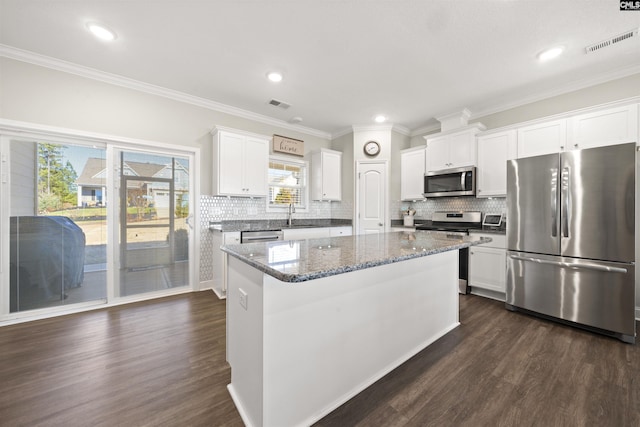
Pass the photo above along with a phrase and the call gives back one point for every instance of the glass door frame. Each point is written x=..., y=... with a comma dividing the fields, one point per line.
x=11, y=130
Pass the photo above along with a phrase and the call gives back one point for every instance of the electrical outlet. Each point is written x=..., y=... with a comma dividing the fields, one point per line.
x=252, y=211
x=214, y=211
x=244, y=298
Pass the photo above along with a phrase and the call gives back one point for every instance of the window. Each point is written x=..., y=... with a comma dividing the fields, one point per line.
x=287, y=183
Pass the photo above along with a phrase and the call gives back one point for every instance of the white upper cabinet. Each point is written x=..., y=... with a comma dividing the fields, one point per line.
x=326, y=175
x=596, y=128
x=542, y=138
x=606, y=127
x=240, y=163
x=453, y=150
x=493, y=152
x=412, y=168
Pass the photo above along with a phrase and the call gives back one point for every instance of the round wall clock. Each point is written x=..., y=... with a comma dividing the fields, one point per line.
x=371, y=148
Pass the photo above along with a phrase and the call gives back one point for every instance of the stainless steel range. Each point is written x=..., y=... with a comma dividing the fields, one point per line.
x=456, y=223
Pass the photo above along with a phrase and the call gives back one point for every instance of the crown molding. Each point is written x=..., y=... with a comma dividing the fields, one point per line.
x=343, y=132
x=114, y=79
x=402, y=130
x=425, y=129
x=567, y=88
x=367, y=128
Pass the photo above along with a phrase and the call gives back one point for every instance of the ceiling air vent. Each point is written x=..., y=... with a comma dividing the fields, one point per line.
x=611, y=41
x=279, y=104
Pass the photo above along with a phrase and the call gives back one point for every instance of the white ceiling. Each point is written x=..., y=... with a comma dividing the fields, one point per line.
x=344, y=61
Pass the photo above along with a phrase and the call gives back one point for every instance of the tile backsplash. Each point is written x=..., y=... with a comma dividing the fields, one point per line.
x=214, y=208
x=426, y=208
x=224, y=208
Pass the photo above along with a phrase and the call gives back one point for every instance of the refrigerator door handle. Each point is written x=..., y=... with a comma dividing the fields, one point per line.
x=566, y=200
x=587, y=266
x=554, y=202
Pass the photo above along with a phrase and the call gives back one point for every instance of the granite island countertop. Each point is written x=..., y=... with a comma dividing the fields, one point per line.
x=302, y=260
x=276, y=224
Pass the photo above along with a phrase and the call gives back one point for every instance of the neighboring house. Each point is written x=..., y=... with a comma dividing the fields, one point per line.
x=92, y=190
x=91, y=183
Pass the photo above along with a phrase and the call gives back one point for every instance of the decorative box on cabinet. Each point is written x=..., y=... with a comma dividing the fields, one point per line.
x=326, y=175
x=453, y=149
x=240, y=163
x=412, y=169
x=493, y=152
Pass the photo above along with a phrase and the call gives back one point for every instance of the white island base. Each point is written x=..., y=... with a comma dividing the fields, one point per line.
x=300, y=350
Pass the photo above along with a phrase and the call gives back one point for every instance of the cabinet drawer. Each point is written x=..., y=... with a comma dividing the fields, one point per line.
x=498, y=240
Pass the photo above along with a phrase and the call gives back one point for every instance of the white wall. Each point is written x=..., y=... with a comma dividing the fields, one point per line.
x=40, y=95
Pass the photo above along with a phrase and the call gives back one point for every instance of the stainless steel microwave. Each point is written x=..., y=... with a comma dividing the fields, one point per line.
x=450, y=182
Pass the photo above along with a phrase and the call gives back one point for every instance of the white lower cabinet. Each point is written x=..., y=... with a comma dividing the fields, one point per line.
x=219, y=260
x=341, y=231
x=488, y=264
x=315, y=232
x=306, y=233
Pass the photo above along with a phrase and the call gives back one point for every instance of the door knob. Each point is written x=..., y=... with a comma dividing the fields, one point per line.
x=380, y=224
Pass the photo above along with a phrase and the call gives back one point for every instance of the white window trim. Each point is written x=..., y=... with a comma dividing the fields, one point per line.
x=283, y=208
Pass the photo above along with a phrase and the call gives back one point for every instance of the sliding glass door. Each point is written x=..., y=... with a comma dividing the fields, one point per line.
x=57, y=225
x=154, y=230
x=90, y=223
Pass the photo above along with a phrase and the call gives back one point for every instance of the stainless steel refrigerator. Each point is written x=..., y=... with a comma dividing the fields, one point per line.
x=571, y=237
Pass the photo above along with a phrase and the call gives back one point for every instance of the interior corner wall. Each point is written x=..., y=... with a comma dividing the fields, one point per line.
x=344, y=144
x=44, y=96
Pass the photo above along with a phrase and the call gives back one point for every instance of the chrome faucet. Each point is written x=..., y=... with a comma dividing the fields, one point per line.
x=292, y=210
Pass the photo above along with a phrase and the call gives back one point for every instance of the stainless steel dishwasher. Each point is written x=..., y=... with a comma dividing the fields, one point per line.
x=261, y=236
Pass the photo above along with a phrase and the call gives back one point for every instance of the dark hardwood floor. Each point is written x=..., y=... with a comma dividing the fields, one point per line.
x=162, y=363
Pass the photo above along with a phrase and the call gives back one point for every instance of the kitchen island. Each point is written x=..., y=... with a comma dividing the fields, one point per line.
x=311, y=323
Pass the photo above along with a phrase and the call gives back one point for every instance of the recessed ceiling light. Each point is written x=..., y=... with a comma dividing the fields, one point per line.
x=274, y=77
x=101, y=31
x=380, y=119
x=548, y=54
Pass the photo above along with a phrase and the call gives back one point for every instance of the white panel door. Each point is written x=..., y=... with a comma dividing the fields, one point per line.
x=372, y=198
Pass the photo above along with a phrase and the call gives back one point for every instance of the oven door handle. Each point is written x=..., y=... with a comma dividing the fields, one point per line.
x=271, y=237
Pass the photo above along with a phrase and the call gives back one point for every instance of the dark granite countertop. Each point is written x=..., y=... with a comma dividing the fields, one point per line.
x=302, y=260
x=276, y=224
